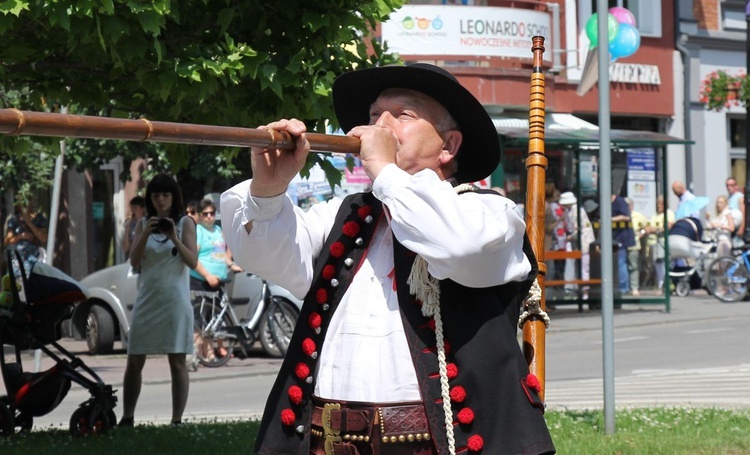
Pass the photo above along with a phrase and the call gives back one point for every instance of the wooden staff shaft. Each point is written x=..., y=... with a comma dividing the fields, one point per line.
x=534, y=330
x=15, y=122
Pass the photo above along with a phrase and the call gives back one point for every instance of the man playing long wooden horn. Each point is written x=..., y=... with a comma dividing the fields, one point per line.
x=406, y=343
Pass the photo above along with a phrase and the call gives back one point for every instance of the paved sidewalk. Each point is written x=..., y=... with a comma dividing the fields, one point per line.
x=696, y=307
x=110, y=368
x=566, y=318
x=699, y=306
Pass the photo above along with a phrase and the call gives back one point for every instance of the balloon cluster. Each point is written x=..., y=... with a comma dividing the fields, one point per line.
x=622, y=36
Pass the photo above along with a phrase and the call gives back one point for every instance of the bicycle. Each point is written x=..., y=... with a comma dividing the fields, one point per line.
x=728, y=277
x=219, y=331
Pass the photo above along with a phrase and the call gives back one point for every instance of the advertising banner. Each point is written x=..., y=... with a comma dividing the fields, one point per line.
x=466, y=30
x=642, y=164
x=642, y=180
x=643, y=194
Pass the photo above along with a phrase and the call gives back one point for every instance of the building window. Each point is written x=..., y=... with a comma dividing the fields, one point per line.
x=738, y=171
x=686, y=9
x=733, y=16
x=737, y=137
x=647, y=14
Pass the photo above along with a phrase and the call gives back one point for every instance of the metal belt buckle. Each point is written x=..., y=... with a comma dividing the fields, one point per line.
x=331, y=435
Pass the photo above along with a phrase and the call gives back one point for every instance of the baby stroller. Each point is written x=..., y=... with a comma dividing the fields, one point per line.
x=689, y=255
x=33, y=323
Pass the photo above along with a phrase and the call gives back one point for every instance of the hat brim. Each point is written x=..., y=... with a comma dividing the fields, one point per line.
x=479, y=154
x=589, y=206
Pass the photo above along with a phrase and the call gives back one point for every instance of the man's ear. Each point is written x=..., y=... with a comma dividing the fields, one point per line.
x=452, y=142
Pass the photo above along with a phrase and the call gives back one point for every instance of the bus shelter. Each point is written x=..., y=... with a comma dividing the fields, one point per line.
x=638, y=173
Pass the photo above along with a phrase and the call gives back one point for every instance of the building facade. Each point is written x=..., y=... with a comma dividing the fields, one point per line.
x=486, y=44
x=713, y=37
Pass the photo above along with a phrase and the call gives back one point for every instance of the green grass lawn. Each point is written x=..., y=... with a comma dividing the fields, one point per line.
x=667, y=431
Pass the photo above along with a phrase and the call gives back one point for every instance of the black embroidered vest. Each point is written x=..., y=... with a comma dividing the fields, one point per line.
x=495, y=411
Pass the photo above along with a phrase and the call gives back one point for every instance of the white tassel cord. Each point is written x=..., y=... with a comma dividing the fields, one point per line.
x=533, y=306
x=427, y=289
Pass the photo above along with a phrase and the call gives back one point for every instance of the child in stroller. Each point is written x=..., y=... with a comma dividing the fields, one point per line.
x=689, y=254
x=33, y=322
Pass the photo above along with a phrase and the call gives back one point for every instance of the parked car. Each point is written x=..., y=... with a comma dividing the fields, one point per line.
x=105, y=316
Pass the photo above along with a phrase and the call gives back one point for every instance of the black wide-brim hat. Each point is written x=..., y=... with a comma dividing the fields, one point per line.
x=479, y=154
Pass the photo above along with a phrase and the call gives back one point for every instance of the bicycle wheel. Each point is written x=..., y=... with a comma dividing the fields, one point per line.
x=212, y=343
x=277, y=326
x=728, y=279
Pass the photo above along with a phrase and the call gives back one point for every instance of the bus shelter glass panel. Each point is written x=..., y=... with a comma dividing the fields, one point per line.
x=641, y=271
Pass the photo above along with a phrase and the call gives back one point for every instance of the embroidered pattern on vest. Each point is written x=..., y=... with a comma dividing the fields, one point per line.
x=339, y=262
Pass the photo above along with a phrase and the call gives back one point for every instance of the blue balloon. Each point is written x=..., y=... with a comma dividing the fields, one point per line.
x=626, y=42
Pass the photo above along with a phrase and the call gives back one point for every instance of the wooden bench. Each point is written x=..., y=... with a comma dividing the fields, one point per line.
x=562, y=255
x=553, y=283
x=559, y=255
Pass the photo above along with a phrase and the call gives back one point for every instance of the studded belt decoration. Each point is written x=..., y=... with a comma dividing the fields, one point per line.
x=340, y=423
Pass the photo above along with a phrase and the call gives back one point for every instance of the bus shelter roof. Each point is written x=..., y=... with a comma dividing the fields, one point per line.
x=569, y=130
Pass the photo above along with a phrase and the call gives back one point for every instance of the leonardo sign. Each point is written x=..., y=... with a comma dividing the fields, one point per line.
x=465, y=30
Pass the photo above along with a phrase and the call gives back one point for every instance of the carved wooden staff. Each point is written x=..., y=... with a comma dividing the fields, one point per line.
x=534, y=329
x=15, y=122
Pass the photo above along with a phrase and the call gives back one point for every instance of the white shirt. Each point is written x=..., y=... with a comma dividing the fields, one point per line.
x=473, y=239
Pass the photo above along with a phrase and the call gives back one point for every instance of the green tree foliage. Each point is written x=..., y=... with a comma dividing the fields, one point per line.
x=27, y=166
x=217, y=62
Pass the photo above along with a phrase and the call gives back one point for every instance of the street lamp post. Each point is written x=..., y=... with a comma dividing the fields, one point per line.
x=747, y=127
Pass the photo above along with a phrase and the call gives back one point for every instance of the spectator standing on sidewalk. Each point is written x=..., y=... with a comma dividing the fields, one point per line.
x=164, y=250
x=570, y=203
x=655, y=240
x=137, y=210
x=736, y=203
x=622, y=233
x=214, y=258
x=555, y=238
x=639, y=223
x=679, y=190
x=723, y=225
x=193, y=211
x=214, y=261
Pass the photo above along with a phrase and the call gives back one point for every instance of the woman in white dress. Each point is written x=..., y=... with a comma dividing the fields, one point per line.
x=164, y=249
x=723, y=223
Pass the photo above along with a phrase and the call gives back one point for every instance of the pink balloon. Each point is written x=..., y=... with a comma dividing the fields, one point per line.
x=622, y=15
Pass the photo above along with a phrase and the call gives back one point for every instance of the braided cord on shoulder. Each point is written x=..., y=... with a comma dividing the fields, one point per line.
x=427, y=289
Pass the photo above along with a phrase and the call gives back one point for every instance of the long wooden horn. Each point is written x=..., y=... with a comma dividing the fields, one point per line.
x=534, y=329
x=15, y=122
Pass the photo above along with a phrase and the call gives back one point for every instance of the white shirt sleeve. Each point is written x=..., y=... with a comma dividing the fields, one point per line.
x=284, y=240
x=473, y=239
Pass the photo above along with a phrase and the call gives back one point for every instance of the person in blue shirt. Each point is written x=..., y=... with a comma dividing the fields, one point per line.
x=214, y=259
x=679, y=190
x=622, y=234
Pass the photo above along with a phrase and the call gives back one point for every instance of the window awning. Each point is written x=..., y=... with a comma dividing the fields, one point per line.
x=569, y=130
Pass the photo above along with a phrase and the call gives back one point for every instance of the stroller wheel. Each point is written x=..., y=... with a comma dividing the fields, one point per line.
x=7, y=425
x=87, y=421
x=112, y=418
x=24, y=421
x=682, y=289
